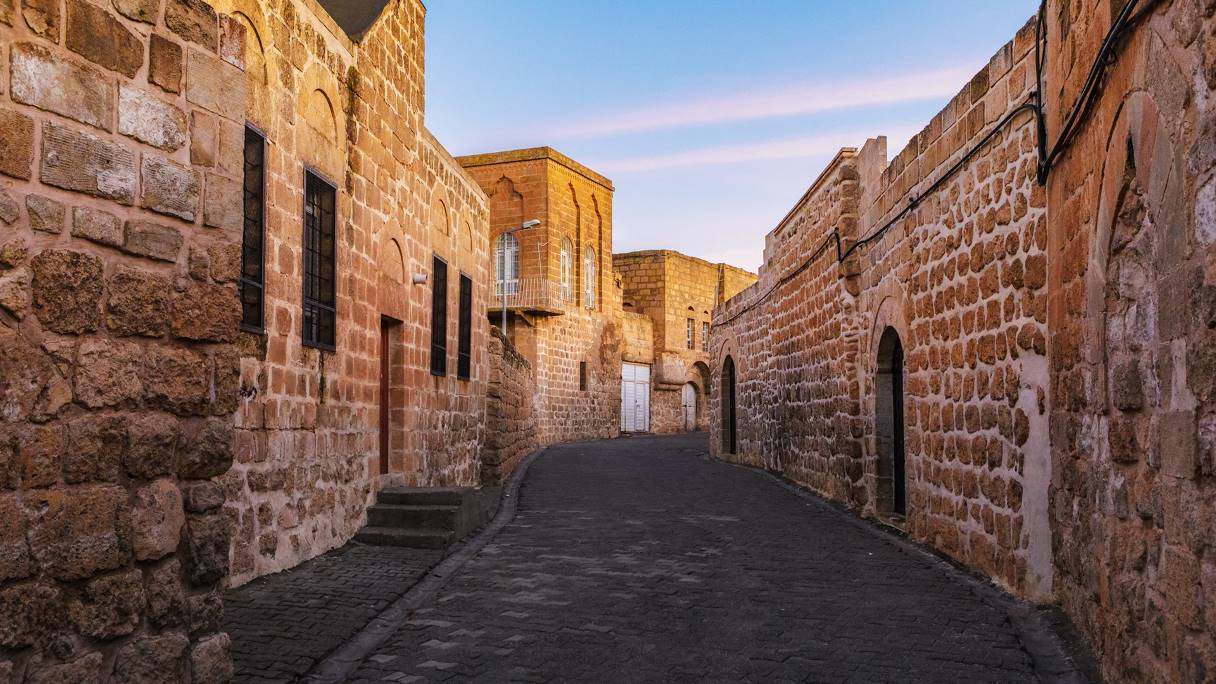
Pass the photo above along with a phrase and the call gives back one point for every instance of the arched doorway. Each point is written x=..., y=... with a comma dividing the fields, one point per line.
x=729, y=439
x=889, y=424
x=688, y=403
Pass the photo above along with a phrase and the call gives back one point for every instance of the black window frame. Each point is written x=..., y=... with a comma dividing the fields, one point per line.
x=439, y=316
x=464, y=336
x=253, y=258
x=318, y=310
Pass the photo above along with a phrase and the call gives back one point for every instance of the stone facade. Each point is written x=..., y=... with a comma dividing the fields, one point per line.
x=510, y=410
x=678, y=293
x=569, y=332
x=118, y=317
x=309, y=458
x=1055, y=399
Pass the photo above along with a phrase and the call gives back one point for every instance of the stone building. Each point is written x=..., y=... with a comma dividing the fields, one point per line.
x=120, y=238
x=1018, y=374
x=670, y=384
x=563, y=305
x=347, y=384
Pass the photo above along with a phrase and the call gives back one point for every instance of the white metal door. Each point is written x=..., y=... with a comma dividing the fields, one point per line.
x=635, y=397
x=688, y=400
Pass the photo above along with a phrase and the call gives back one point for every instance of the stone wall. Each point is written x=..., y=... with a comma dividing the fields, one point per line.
x=510, y=411
x=308, y=457
x=118, y=313
x=555, y=332
x=1055, y=403
x=671, y=288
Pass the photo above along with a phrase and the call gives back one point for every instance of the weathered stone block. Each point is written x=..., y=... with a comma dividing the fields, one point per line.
x=10, y=211
x=166, y=597
x=199, y=264
x=152, y=659
x=206, y=613
x=165, y=63
x=97, y=226
x=177, y=380
x=42, y=16
x=156, y=520
x=225, y=259
x=139, y=302
x=76, y=534
x=149, y=119
x=67, y=290
x=202, y=496
x=1178, y=444
x=39, y=450
x=210, y=662
x=169, y=187
x=46, y=214
x=151, y=445
x=232, y=41
x=95, y=448
x=138, y=10
x=206, y=312
x=205, y=448
x=215, y=85
x=109, y=606
x=222, y=207
x=77, y=91
x=108, y=373
x=205, y=553
x=29, y=612
x=31, y=386
x=16, y=291
x=193, y=20
x=100, y=37
x=85, y=163
x=204, y=137
x=15, y=559
x=16, y=144
x=85, y=669
x=153, y=240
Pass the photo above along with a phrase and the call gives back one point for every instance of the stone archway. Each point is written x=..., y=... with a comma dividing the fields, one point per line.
x=891, y=479
x=730, y=437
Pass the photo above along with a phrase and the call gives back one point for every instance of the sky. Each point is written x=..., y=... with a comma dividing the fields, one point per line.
x=711, y=117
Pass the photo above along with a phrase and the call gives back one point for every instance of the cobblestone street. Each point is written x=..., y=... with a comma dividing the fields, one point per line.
x=641, y=560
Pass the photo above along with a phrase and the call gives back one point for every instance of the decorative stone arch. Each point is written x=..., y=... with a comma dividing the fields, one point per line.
x=719, y=404
x=390, y=275
x=259, y=62
x=890, y=469
x=324, y=125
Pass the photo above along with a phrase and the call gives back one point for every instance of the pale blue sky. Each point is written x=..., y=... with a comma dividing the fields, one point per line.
x=710, y=116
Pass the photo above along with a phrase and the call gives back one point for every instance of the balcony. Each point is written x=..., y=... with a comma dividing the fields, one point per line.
x=535, y=296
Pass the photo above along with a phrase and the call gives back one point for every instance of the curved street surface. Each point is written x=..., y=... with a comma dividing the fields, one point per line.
x=641, y=559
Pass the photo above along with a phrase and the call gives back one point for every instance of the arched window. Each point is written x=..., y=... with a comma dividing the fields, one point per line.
x=567, y=270
x=589, y=278
x=506, y=261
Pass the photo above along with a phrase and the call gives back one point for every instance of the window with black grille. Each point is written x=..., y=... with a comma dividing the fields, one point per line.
x=439, y=317
x=320, y=263
x=464, y=350
x=253, y=233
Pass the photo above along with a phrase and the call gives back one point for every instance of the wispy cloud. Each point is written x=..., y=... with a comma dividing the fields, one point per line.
x=785, y=148
x=795, y=100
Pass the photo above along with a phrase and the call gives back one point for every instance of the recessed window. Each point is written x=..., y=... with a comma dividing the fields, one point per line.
x=582, y=376
x=704, y=336
x=464, y=349
x=439, y=316
x=567, y=270
x=253, y=233
x=589, y=278
x=320, y=262
x=506, y=265
x=690, y=334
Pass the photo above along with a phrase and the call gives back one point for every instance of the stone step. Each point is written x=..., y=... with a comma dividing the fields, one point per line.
x=422, y=496
x=415, y=538
x=413, y=516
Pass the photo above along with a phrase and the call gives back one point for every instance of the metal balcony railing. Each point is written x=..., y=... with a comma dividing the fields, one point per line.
x=532, y=294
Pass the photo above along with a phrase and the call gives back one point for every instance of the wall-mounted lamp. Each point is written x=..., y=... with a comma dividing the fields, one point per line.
x=418, y=279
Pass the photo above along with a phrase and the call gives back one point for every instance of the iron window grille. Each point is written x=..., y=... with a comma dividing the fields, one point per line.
x=439, y=316
x=464, y=352
x=506, y=259
x=320, y=262
x=253, y=233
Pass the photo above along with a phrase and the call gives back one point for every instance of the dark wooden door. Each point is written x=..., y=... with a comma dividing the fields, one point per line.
x=386, y=329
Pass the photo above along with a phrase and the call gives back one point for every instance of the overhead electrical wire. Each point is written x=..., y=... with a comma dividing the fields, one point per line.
x=1127, y=18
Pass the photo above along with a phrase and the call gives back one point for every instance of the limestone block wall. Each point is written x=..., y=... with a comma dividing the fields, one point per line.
x=118, y=313
x=308, y=457
x=1132, y=325
x=573, y=203
x=1057, y=339
x=637, y=338
x=510, y=411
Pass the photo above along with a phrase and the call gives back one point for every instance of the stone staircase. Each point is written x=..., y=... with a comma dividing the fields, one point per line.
x=427, y=518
